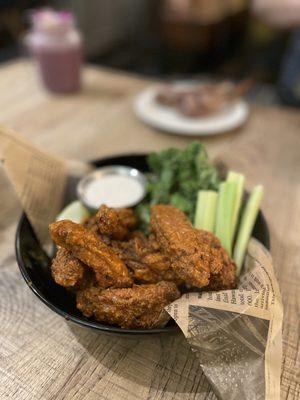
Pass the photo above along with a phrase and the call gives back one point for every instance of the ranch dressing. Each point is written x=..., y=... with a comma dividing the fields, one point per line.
x=114, y=191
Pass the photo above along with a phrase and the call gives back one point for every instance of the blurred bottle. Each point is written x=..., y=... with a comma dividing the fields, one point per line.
x=202, y=35
x=56, y=45
x=289, y=81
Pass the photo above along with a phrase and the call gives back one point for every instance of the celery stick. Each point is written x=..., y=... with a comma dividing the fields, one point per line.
x=223, y=229
x=206, y=210
x=239, y=179
x=247, y=223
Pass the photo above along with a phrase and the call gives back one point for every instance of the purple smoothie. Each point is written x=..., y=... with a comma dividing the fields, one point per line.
x=57, y=48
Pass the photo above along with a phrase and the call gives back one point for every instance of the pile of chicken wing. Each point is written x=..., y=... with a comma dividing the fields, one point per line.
x=123, y=277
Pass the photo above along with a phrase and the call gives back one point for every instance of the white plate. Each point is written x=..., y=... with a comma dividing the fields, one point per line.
x=167, y=119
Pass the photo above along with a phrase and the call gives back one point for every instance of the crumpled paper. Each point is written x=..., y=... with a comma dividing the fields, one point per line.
x=237, y=334
x=41, y=181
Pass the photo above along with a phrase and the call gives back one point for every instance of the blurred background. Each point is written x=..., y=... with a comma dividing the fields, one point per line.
x=176, y=38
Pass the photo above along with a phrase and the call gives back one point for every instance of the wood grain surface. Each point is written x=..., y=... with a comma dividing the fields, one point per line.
x=41, y=356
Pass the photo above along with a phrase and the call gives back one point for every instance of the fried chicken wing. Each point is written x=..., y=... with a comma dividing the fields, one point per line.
x=90, y=223
x=180, y=242
x=115, y=222
x=196, y=255
x=225, y=279
x=144, y=259
x=222, y=268
x=140, y=272
x=141, y=306
x=109, y=270
x=70, y=272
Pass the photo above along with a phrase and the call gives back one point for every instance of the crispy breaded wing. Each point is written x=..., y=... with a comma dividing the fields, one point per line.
x=180, y=242
x=196, y=255
x=222, y=268
x=141, y=306
x=115, y=222
x=90, y=223
x=140, y=272
x=70, y=272
x=89, y=249
x=144, y=259
x=225, y=279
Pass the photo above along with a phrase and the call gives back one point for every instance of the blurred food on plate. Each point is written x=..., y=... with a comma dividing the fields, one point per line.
x=202, y=99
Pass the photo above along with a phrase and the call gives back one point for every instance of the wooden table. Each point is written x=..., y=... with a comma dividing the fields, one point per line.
x=41, y=357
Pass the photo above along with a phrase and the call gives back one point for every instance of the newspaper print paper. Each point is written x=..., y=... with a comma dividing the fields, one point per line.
x=236, y=334
x=41, y=181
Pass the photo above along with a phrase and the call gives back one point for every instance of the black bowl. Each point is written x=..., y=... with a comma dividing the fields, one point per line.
x=34, y=265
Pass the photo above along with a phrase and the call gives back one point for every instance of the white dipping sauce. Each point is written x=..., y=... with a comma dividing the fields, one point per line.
x=114, y=191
